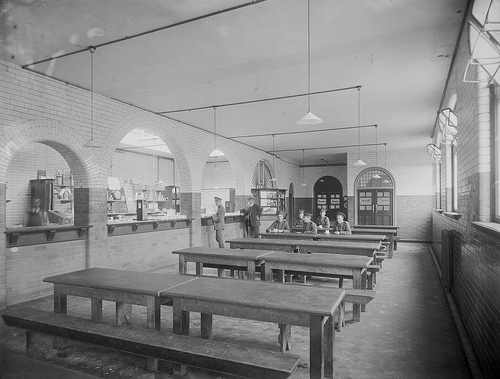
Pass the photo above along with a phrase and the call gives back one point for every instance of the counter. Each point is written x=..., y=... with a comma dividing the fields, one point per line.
x=133, y=226
x=45, y=234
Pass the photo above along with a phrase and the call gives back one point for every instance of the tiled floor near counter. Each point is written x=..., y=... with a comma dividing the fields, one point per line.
x=407, y=331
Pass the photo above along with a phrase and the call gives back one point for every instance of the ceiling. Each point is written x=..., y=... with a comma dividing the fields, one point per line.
x=399, y=52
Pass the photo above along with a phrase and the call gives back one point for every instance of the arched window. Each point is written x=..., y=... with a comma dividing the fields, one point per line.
x=262, y=176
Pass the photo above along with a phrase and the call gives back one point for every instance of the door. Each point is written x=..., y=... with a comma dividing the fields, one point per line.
x=375, y=206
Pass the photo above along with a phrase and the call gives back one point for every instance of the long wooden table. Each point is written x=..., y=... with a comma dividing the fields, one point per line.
x=247, y=259
x=303, y=245
x=326, y=237
x=123, y=287
x=312, y=307
x=320, y=265
x=381, y=227
x=390, y=232
x=265, y=244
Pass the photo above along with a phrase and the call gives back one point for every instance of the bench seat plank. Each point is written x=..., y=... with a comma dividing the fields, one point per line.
x=213, y=355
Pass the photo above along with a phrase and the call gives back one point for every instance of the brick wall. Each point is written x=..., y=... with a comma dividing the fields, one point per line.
x=475, y=255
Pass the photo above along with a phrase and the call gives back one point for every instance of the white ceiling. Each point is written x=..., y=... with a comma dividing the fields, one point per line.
x=399, y=51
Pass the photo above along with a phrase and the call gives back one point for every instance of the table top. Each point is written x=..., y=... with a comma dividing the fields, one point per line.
x=324, y=260
x=218, y=252
x=120, y=280
x=375, y=226
x=322, y=236
x=261, y=295
x=260, y=241
x=342, y=245
x=374, y=230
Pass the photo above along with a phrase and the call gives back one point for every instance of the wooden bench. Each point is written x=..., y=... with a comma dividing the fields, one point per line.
x=217, y=356
x=355, y=296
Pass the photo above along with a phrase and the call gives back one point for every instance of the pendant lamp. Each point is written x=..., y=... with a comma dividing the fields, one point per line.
x=215, y=138
x=273, y=179
x=359, y=162
x=92, y=144
x=309, y=118
x=385, y=181
x=376, y=176
x=303, y=182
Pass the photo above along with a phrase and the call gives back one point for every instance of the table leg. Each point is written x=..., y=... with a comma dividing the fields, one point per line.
x=60, y=300
x=356, y=284
x=199, y=268
x=182, y=264
x=329, y=347
x=153, y=312
x=206, y=326
x=220, y=272
x=180, y=326
x=96, y=309
x=363, y=286
x=123, y=313
x=251, y=270
x=268, y=272
x=285, y=336
x=316, y=355
x=391, y=245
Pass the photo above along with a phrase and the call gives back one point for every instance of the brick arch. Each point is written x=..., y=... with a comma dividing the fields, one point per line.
x=231, y=151
x=62, y=138
x=319, y=175
x=166, y=129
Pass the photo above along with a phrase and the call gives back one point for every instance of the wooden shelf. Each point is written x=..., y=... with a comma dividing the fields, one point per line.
x=45, y=234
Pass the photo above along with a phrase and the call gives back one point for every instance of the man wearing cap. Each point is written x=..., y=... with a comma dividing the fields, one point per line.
x=299, y=221
x=322, y=221
x=280, y=225
x=340, y=226
x=309, y=227
x=252, y=215
x=218, y=219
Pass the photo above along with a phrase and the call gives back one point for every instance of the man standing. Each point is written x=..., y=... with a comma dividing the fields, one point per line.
x=253, y=216
x=218, y=219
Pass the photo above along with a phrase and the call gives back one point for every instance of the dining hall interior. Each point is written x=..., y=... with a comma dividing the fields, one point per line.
x=127, y=128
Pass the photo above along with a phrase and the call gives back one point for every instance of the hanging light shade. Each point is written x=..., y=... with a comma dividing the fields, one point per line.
x=92, y=144
x=273, y=179
x=309, y=118
x=385, y=181
x=216, y=169
x=303, y=182
x=359, y=162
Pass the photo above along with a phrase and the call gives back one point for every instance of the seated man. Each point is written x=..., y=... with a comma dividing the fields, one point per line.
x=280, y=225
x=322, y=221
x=299, y=221
x=340, y=226
x=309, y=227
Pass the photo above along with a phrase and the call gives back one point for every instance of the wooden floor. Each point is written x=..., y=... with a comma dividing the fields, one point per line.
x=406, y=332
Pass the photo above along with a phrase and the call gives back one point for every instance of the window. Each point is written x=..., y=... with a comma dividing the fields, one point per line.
x=454, y=176
x=495, y=154
x=262, y=176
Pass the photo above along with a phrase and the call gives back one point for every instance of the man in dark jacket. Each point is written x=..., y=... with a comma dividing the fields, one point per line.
x=253, y=214
x=218, y=220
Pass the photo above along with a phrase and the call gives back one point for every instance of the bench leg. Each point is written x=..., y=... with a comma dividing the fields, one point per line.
x=60, y=300
x=341, y=282
x=316, y=351
x=284, y=337
x=180, y=326
x=220, y=272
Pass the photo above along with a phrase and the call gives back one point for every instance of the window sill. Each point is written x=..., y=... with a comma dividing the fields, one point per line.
x=439, y=210
x=490, y=228
x=453, y=215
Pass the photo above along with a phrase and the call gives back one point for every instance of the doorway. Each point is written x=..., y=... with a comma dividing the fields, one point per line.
x=375, y=197
x=328, y=194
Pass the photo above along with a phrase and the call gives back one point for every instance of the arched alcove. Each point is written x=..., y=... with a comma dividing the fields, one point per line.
x=375, y=196
x=329, y=195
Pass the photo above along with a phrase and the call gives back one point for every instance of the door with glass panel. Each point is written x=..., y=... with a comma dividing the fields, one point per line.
x=375, y=207
x=375, y=197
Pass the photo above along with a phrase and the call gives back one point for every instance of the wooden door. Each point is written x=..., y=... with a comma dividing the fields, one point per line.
x=375, y=207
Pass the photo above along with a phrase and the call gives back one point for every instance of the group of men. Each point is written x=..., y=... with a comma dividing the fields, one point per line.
x=340, y=226
x=302, y=224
